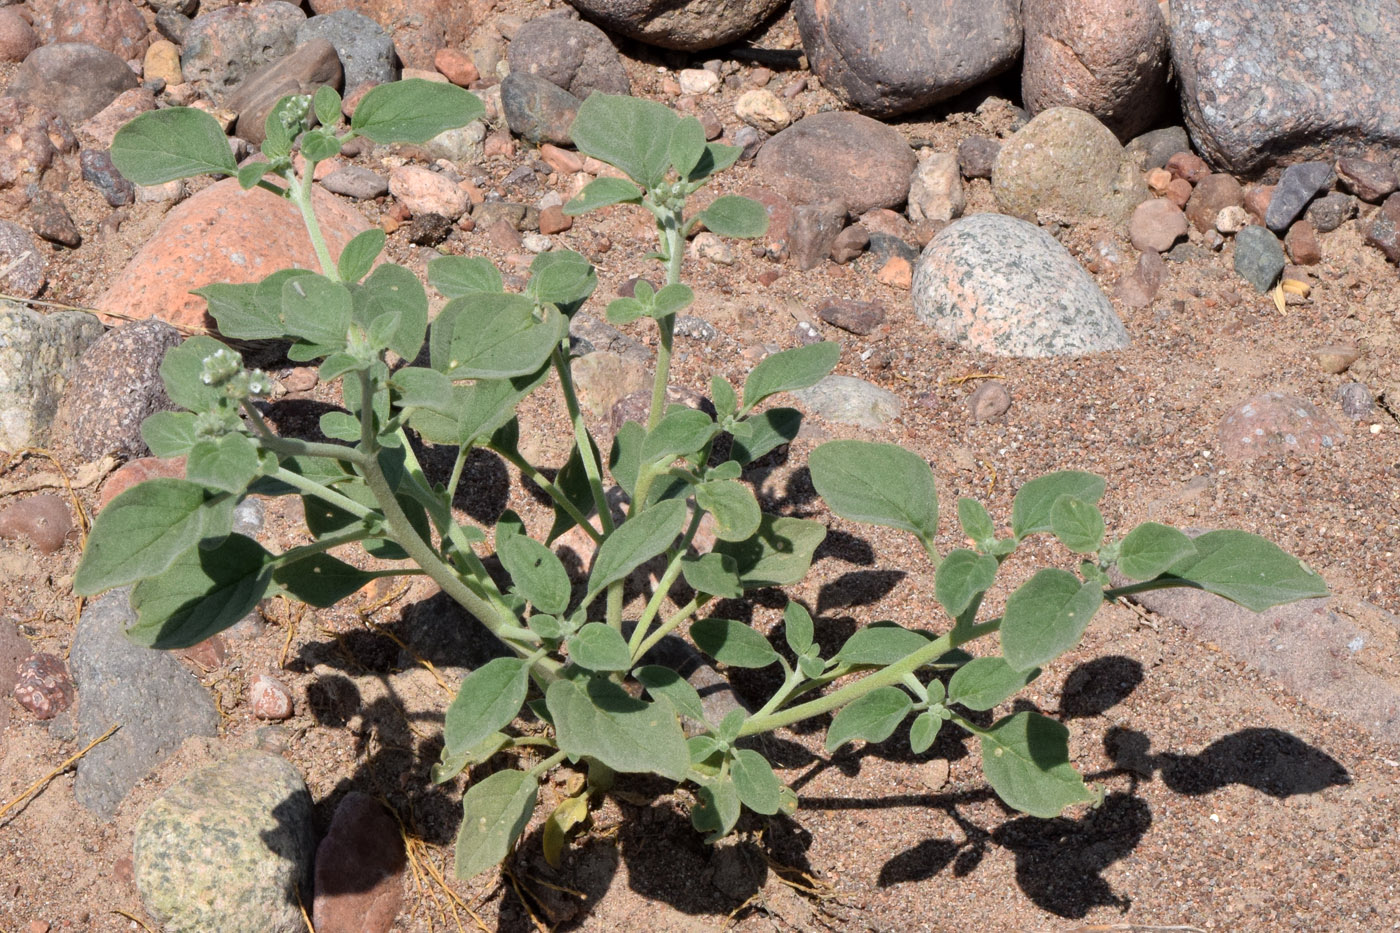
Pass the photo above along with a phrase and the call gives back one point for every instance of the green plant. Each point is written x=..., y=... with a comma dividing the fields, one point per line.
x=574, y=647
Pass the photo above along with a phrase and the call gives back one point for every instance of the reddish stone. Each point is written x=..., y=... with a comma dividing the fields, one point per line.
x=858, y=317
x=896, y=273
x=137, y=471
x=270, y=698
x=1212, y=195
x=359, y=869
x=560, y=160
x=43, y=686
x=1189, y=166
x=554, y=220
x=456, y=67
x=17, y=37
x=1276, y=424
x=209, y=654
x=1155, y=225
x=1256, y=201
x=114, y=25
x=1302, y=245
x=420, y=27
x=45, y=520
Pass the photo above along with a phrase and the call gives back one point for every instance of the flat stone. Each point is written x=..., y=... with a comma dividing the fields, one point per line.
x=1330, y=211
x=857, y=317
x=1259, y=257
x=1276, y=424
x=359, y=869
x=223, y=47
x=73, y=79
x=1155, y=225
x=356, y=181
x=1299, y=184
x=1212, y=195
x=538, y=110
x=848, y=400
x=38, y=353
x=1188, y=166
x=994, y=284
x=989, y=401
x=1369, y=181
x=1273, y=82
x=1356, y=400
x=158, y=703
x=570, y=54
x=813, y=232
x=886, y=57
x=364, y=49
x=849, y=244
x=44, y=520
x=1137, y=289
x=1106, y=57
x=427, y=192
x=688, y=25
x=1302, y=244
x=49, y=218
x=21, y=263
x=837, y=155
x=977, y=155
x=303, y=70
x=1068, y=163
x=936, y=192
x=205, y=240
x=42, y=686
x=1337, y=358
x=228, y=848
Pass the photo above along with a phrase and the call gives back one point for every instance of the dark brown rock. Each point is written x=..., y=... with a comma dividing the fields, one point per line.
x=21, y=264
x=1302, y=245
x=42, y=686
x=1383, y=232
x=49, y=218
x=538, y=110
x=838, y=155
x=98, y=169
x=1107, y=57
x=73, y=79
x=977, y=155
x=849, y=243
x=1330, y=211
x=43, y=520
x=689, y=25
x=886, y=57
x=1212, y=195
x=359, y=869
x=302, y=71
x=813, y=232
x=858, y=317
x=570, y=54
x=1369, y=181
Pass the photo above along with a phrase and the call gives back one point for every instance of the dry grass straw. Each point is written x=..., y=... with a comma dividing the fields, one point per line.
x=44, y=781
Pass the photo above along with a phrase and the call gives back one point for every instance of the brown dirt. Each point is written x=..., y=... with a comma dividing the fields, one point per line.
x=1232, y=804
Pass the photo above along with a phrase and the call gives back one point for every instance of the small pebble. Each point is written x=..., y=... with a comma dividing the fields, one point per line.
x=1356, y=400
x=857, y=317
x=1337, y=358
x=270, y=698
x=42, y=686
x=990, y=400
x=708, y=246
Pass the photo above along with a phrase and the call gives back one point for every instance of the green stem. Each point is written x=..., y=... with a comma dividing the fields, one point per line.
x=674, y=242
x=327, y=543
x=885, y=677
x=328, y=496
x=673, y=620
x=582, y=440
x=550, y=762
x=293, y=447
x=299, y=190
x=663, y=587
x=1149, y=585
x=555, y=494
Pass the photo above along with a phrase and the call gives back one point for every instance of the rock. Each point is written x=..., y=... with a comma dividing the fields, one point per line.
x=1188, y=166
x=989, y=401
x=427, y=192
x=37, y=356
x=1231, y=220
x=1153, y=148
x=1356, y=400
x=1369, y=181
x=698, y=81
x=603, y=378
x=125, y=107
x=849, y=244
x=205, y=240
x=977, y=155
x=857, y=317
x=1276, y=424
x=896, y=272
x=710, y=247
x=419, y=27
x=837, y=155
x=456, y=67
x=1138, y=289
x=1336, y=358
x=42, y=686
x=848, y=400
x=1256, y=200
x=362, y=47
x=1212, y=195
x=687, y=25
x=228, y=848
x=1106, y=57
x=886, y=57
x=573, y=55
x=553, y=220
x=137, y=471
x=36, y=140
x=1383, y=232
x=1066, y=162
x=300, y=71
x=17, y=37
x=1258, y=257
x=512, y=213
x=72, y=79
x=158, y=703
x=1299, y=184
x=49, y=218
x=99, y=170
x=21, y=265
x=358, y=182
x=114, y=25
x=994, y=284
x=459, y=144
x=935, y=190
x=813, y=232
x=270, y=698
x=173, y=25
x=1302, y=245
x=538, y=110
x=762, y=109
x=223, y=47
x=43, y=520
x=1272, y=82
x=162, y=63
x=359, y=869
x=1330, y=211
x=1155, y=225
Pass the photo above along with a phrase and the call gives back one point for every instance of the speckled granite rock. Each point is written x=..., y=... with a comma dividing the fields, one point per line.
x=38, y=353
x=1272, y=82
x=848, y=400
x=995, y=284
x=228, y=848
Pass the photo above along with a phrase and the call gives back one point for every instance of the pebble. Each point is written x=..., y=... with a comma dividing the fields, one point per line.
x=1066, y=162
x=1302, y=244
x=896, y=272
x=49, y=218
x=1152, y=149
x=698, y=81
x=1188, y=166
x=17, y=37
x=696, y=328
x=44, y=520
x=1179, y=192
x=102, y=174
x=857, y=317
x=1276, y=424
x=1369, y=181
x=1155, y=225
x=1211, y=195
x=359, y=869
x=849, y=244
x=848, y=400
x=365, y=50
x=456, y=67
x=1336, y=358
x=1259, y=257
x=537, y=243
x=560, y=160
x=553, y=220
x=228, y=848
x=42, y=686
x=1356, y=400
x=842, y=156
x=269, y=698
x=989, y=401
x=1256, y=201
x=356, y=181
x=1139, y=288
x=1298, y=185
x=763, y=109
x=977, y=155
x=538, y=110
x=1330, y=211
x=37, y=357
x=21, y=264
x=936, y=189
x=429, y=229
x=157, y=701
x=712, y=248
x=162, y=61
x=813, y=232
x=994, y=284
x=124, y=108
x=1232, y=219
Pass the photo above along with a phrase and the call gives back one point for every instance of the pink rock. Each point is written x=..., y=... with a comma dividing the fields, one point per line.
x=456, y=67
x=426, y=192
x=45, y=520
x=137, y=471
x=1212, y=195
x=1189, y=166
x=1106, y=57
x=1276, y=424
x=34, y=138
x=420, y=27
x=1155, y=225
x=114, y=25
x=270, y=698
x=359, y=869
x=43, y=686
x=17, y=37
x=1302, y=245
x=207, y=239
x=104, y=124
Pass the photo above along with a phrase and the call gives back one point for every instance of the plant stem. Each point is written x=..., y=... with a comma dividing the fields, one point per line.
x=674, y=242
x=885, y=677
x=663, y=587
x=1159, y=584
x=550, y=762
x=299, y=190
x=328, y=496
x=555, y=494
x=583, y=441
x=294, y=447
x=673, y=620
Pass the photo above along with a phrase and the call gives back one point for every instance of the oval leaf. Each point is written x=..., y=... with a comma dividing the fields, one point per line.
x=179, y=142
x=923, y=730
x=962, y=575
x=456, y=276
x=873, y=717
x=878, y=483
x=320, y=580
x=881, y=643
x=734, y=507
x=736, y=216
x=202, y=593
x=1078, y=524
x=982, y=683
x=603, y=192
x=1030, y=510
x=779, y=554
x=140, y=533
x=487, y=701
x=599, y=647
x=1026, y=760
x=494, y=814
x=1045, y=617
x=792, y=369
x=537, y=573
x=602, y=721
x=627, y=132
x=1148, y=550
x=976, y=522
x=662, y=681
x=1247, y=569
x=758, y=787
x=797, y=627
x=733, y=643
x=635, y=542
x=413, y=111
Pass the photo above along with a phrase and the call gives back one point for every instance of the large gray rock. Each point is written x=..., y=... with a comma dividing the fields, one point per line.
x=841, y=156
x=73, y=79
x=1106, y=57
x=365, y=49
x=38, y=353
x=570, y=54
x=1272, y=82
x=228, y=849
x=157, y=702
x=1066, y=163
x=688, y=25
x=886, y=57
x=224, y=47
x=994, y=284
x=538, y=110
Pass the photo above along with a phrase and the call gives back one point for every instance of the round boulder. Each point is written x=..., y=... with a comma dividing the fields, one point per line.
x=838, y=155
x=994, y=284
x=688, y=25
x=573, y=55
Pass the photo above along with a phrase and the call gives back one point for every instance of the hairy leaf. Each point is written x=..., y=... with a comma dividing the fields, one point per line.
x=495, y=813
x=792, y=369
x=1045, y=617
x=1248, y=570
x=179, y=142
x=1030, y=510
x=982, y=683
x=600, y=720
x=879, y=483
x=1025, y=758
x=733, y=643
x=413, y=111
x=487, y=701
x=873, y=717
x=201, y=593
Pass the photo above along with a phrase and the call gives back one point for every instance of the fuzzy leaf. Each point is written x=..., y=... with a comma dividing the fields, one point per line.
x=321, y=580
x=976, y=522
x=733, y=643
x=1247, y=569
x=797, y=627
x=1045, y=617
x=1149, y=549
x=736, y=216
x=459, y=276
x=1077, y=524
x=962, y=575
x=140, y=533
x=662, y=681
x=873, y=717
x=1025, y=758
x=768, y=430
x=758, y=787
x=201, y=593
x=879, y=483
x=881, y=643
x=488, y=700
x=715, y=574
x=179, y=142
x=627, y=132
x=413, y=111
x=779, y=554
x=603, y=192
x=792, y=369
x=1030, y=510
x=495, y=813
x=360, y=253
x=599, y=647
x=602, y=721
x=536, y=572
x=982, y=683
x=635, y=542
